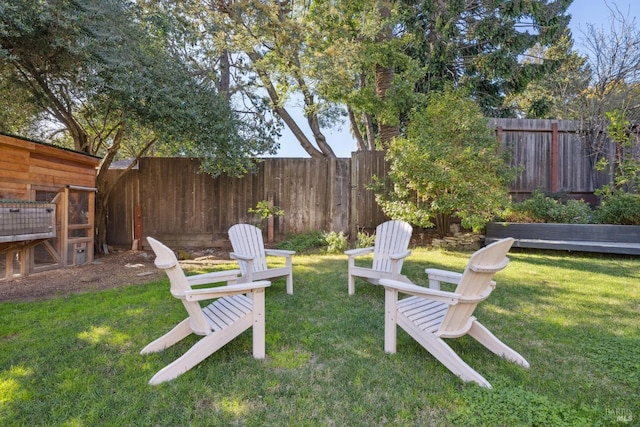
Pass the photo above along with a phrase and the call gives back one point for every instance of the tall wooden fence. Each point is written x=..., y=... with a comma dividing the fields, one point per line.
x=552, y=156
x=181, y=206
x=169, y=198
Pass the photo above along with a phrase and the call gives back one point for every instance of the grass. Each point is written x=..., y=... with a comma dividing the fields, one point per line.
x=74, y=361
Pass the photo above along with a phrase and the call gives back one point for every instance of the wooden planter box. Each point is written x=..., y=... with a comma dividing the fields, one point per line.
x=603, y=238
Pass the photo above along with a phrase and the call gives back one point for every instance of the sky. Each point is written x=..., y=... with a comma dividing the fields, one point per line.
x=583, y=12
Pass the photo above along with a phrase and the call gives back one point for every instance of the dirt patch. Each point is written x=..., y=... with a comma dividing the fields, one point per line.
x=105, y=272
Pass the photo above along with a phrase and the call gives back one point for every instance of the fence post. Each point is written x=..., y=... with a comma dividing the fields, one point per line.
x=554, y=158
x=270, y=219
x=353, y=180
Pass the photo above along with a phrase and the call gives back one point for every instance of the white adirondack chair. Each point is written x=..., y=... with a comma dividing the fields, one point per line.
x=431, y=314
x=237, y=308
x=389, y=252
x=249, y=251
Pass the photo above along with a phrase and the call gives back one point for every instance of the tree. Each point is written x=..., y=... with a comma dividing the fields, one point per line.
x=359, y=60
x=379, y=58
x=558, y=95
x=262, y=46
x=614, y=86
x=449, y=164
x=101, y=73
x=374, y=58
x=478, y=45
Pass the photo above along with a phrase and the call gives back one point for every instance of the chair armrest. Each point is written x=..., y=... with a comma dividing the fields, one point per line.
x=399, y=255
x=359, y=251
x=214, y=277
x=446, y=276
x=279, y=252
x=449, y=298
x=223, y=291
x=241, y=257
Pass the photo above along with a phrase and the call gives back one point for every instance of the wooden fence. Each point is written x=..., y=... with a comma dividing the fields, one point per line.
x=169, y=198
x=184, y=207
x=552, y=156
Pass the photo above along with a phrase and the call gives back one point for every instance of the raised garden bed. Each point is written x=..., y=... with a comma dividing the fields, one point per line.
x=603, y=238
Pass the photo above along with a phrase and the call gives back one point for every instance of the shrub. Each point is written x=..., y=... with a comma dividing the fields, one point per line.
x=573, y=212
x=303, y=242
x=336, y=242
x=538, y=207
x=542, y=208
x=619, y=208
x=263, y=211
x=365, y=240
x=448, y=164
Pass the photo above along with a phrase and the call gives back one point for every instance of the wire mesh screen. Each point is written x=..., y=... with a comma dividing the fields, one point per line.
x=26, y=220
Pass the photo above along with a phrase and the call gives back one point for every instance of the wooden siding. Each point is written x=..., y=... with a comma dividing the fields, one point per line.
x=121, y=209
x=365, y=212
x=26, y=164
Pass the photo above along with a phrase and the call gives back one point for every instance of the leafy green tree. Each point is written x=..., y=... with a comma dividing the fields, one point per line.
x=375, y=58
x=103, y=75
x=261, y=47
x=478, y=45
x=358, y=58
x=448, y=165
x=378, y=58
x=557, y=96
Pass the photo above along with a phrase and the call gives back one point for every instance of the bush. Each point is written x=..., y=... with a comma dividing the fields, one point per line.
x=303, y=242
x=619, y=208
x=449, y=164
x=538, y=207
x=336, y=242
x=573, y=212
x=542, y=208
x=365, y=240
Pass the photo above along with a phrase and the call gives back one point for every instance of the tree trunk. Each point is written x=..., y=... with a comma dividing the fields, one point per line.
x=384, y=77
x=443, y=224
x=224, y=84
x=371, y=134
x=355, y=130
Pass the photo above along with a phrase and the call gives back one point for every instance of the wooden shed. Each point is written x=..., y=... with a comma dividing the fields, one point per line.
x=47, y=202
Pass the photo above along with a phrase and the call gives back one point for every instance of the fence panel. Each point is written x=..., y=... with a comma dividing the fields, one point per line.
x=184, y=207
x=551, y=154
x=365, y=212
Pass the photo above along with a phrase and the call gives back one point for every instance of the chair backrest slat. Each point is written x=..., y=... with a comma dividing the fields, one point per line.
x=247, y=239
x=167, y=261
x=391, y=237
x=476, y=281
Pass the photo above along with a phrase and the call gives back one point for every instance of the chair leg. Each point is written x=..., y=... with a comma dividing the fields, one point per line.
x=178, y=333
x=351, y=284
x=200, y=351
x=486, y=338
x=258, y=328
x=441, y=351
x=290, y=283
x=390, y=324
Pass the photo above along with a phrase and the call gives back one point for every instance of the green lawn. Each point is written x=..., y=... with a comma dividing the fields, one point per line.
x=75, y=361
